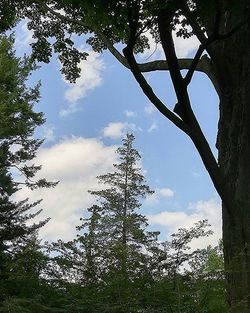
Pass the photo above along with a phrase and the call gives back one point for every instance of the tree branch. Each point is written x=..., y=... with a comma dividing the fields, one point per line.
x=193, y=66
x=146, y=88
x=220, y=79
x=203, y=65
x=183, y=107
x=186, y=112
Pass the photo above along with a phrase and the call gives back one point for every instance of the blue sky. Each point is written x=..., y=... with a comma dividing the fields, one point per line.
x=85, y=123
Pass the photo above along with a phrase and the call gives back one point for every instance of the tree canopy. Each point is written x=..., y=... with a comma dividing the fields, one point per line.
x=120, y=27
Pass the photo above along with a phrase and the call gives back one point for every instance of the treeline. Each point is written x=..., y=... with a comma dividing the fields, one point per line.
x=114, y=265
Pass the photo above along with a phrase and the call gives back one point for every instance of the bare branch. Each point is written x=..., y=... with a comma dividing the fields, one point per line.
x=194, y=65
x=146, y=88
x=186, y=112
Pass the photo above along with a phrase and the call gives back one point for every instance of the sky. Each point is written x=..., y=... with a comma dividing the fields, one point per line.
x=85, y=123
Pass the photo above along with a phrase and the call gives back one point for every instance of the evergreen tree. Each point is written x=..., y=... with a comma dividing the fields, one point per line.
x=113, y=251
x=17, y=145
x=115, y=265
x=122, y=225
x=92, y=241
x=17, y=150
x=220, y=26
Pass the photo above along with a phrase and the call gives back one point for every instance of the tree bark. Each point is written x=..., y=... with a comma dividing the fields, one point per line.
x=233, y=145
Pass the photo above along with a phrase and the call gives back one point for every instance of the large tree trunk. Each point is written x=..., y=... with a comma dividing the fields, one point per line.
x=234, y=159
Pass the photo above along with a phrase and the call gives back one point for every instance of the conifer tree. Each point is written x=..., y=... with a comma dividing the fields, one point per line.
x=17, y=150
x=17, y=145
x=123, y=226
x=112, y=253
x=114, y=265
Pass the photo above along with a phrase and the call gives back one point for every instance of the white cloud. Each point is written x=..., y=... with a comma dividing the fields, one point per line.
x=154, y=52
x=131, y=113
x=151, y=199
x=23, y=36
x=210, y=210
x=149, y=108
x=91, y=71
x=116, y=130
x=195, y=173
x=183, y=47
x=166, y=192
x=75, y=162
x=48, y=133
x=159, y=193
x=152, y=127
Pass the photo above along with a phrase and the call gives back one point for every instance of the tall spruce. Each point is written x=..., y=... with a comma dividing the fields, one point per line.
x=112, y=256
x=123, y=226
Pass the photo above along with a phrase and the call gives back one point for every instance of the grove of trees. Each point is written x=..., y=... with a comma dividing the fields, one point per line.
x=222, y=28
x=114, y=264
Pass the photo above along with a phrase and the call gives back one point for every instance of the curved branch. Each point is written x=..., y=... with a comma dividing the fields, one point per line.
x=196, y=134
x=148, y=91
x=203, y=65
x=220, y=74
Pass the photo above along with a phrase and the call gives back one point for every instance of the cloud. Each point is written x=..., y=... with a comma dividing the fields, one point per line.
x=75, y=162
x=195, y=173
x=24, y=36
x=166, y=192
x=210, y=210
x=116, y=130
x=131, y=113
x=152, y=127
x=48, y=133
x=183, y=46
x=149, y=108
x=91, y=78
x=159, y=193
x=151, y=199
x=155, y=51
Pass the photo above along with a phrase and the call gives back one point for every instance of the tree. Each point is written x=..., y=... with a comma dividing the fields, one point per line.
x=17, y=149
x=103, y=287
x=112, y=252
x=123, y=226
x=220, y=26
x=115, y=265
x=24, y=289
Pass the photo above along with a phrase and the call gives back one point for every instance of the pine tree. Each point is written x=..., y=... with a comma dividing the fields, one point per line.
x=125, y=258
x=91, y=241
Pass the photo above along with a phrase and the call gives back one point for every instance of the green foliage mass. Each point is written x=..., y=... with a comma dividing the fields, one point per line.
x=17, y=145
x=116, y=265
x=21, y=259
